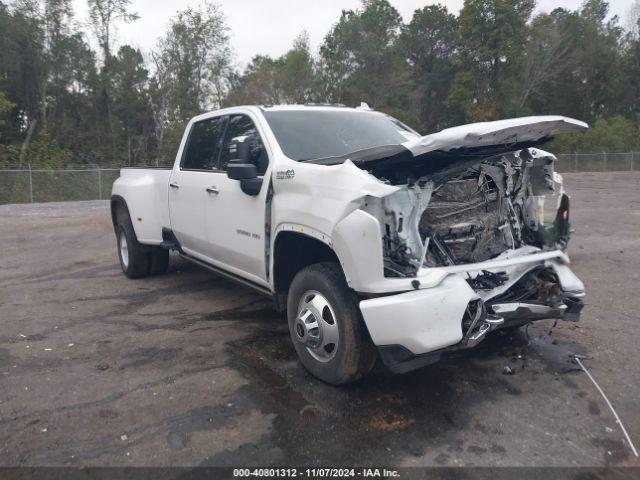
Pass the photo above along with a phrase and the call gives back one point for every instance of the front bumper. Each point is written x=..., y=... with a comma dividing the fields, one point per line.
x=414, y=328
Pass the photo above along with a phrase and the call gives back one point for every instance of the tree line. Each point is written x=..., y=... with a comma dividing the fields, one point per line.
x=63, y=102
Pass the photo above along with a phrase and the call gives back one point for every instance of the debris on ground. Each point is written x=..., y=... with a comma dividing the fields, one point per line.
x=507, y=370
x=102, y=366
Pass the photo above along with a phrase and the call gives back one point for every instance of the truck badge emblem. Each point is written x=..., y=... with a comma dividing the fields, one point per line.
x=285, y=174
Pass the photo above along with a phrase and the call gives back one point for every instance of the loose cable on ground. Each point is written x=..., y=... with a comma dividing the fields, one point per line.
x=615, y=414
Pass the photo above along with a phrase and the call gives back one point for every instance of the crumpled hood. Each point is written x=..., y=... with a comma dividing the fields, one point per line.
x=499, y=133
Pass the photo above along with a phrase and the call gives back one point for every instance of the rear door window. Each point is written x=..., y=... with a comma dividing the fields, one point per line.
x=203, y=145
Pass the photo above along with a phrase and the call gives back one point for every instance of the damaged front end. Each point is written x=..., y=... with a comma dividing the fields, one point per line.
x=473, y=212
x=499, y=225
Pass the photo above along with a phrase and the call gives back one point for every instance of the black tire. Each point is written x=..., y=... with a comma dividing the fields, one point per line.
x=135, y=261
x=141, y=260
x=355, y=355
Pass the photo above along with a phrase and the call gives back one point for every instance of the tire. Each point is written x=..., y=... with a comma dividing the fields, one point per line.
x=320, y=290
x=134, y=260
x=137, y=260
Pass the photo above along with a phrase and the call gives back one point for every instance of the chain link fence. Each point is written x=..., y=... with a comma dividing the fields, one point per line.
x=598, y=162
x=35, y=185
x=38, y=185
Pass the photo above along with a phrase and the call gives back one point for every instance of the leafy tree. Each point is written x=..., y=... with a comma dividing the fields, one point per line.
x=358, y=58
x=259, y=84
x=131, y=103
x=192, y=63
x=194, y=52
x=287, y=79
x=63, y=102
x=549, y=57
x=584, y=85
x=492, y=39
x=56, y=17
x=103, y=15
x=615, y=134
x=297, y=72
x=631, y=77
x=5, y=108
x=21, y=65
x=429, y=44
x=598, y=57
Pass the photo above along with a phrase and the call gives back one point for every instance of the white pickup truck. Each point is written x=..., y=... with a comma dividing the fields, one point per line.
x=377, y=241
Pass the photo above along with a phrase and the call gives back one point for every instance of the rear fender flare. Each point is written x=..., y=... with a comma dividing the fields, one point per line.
x=118, y=201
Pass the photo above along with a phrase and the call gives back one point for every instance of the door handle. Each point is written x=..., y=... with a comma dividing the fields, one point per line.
x=174, y=185
x=213, y=189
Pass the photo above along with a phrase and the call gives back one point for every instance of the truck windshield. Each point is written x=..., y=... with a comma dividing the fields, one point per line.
x=313, y=134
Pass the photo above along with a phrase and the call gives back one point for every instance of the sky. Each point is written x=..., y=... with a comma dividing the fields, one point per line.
x=270, y=26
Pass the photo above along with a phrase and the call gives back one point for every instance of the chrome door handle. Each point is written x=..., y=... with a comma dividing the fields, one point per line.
x=213, y=190
x=174, y=185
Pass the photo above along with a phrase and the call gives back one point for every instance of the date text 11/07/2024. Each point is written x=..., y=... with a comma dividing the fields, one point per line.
x=316, y=472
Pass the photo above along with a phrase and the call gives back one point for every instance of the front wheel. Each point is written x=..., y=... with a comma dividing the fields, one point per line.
x=326, y=326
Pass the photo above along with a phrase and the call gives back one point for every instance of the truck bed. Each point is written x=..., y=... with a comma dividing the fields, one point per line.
x=146, y=191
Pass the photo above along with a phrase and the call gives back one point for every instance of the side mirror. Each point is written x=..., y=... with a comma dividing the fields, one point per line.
x=251, y=186
x=241, y=171
x=248, y=176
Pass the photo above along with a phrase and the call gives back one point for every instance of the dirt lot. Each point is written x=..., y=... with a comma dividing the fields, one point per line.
x=190, y=369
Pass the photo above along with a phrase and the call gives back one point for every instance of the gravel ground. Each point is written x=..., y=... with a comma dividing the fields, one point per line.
x=190, y=369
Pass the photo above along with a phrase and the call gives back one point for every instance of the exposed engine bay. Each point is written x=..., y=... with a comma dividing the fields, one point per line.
x=473, y=211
